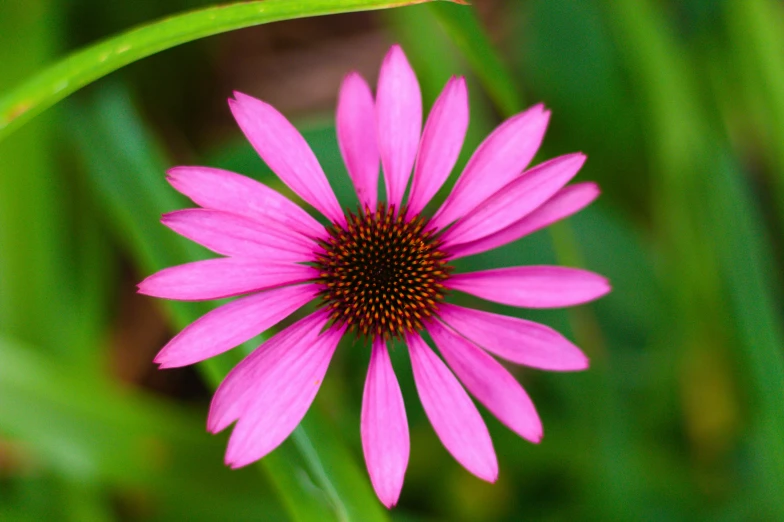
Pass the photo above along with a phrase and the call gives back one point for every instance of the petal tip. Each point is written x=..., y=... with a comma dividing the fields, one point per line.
x=143, y=287
x=165, y=362
x=604, y=287
x=490, y=475
x=388, y=499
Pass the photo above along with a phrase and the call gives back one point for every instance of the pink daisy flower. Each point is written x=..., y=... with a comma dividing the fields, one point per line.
x=383, y=272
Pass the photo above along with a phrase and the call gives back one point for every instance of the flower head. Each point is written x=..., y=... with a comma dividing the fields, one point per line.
x=381, y=272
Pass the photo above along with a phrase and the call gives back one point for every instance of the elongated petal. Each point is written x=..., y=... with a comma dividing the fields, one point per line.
x=533, y=286
x=223, y=190
x=454, y=417
x=283, y=148
x=399, y=122
x=384, y=427
x=516, y=200
x=281, y=398
x=500, y=158
x=239, y=387
x=234, y=235
x=232, y=324
x=356, y=128
x=223, y=277
x=516, y=340
x=489, y=382
x=442, y=140
x=569, y=200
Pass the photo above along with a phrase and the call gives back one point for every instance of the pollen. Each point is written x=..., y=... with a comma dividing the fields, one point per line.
x=382, y=275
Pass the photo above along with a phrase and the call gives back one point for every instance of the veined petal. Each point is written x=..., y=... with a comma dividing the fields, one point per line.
x=516, y=340
x=356, y=129
x=281, y=398
x=234, y=235
x=399, y=122
x=454, y=417
x=532, y=286
x=283, y=148
x=232, y=324
x=238, y=388
x=501, y=157
x=567, y=201
x=223, y=277
x=489, y=382
x=223, y=190
x=441, y=142
x=384, y=427
x=516, y=200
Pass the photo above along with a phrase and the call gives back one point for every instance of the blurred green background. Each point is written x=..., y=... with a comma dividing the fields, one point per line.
x=679, y=106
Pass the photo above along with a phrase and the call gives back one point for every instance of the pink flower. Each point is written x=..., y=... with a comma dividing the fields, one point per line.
x=382, y=272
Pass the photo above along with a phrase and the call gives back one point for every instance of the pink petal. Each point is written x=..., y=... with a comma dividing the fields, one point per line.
x=399, y=122
x=223, y=190
x=283, y=148
x=234, y=235
x=516, y=340
x=238, y=388
x=569, y=200
x=500, y=158
x=280, y=398
x=442, y=140
x=384, y=427
x=223, y=277
x=232, y=324
x=516, y=200
x=356, y=128
x=451, y=412
x=489, y=382
x=533, y=286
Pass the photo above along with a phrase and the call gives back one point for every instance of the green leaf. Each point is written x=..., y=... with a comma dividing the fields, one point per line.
x=468, y=35
x=127, y=172
x=745, y=258
x=757, y=43
x=85, y=66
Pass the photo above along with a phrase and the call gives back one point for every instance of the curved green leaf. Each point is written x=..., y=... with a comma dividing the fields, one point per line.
x=87, y=65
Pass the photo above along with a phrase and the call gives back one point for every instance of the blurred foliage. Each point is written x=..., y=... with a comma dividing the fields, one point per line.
x=678, y=106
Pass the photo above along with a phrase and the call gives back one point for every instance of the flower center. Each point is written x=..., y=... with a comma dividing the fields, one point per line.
x=381, y=275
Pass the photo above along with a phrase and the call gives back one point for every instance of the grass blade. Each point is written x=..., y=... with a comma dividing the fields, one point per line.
x=468, y=35
x=85, y=66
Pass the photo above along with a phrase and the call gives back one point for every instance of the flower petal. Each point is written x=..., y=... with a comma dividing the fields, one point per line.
x=489, y=382
x=234, y=235
x=399, y=122
x=532, y=286
x=503, y=155
x=356, y=128
x=569, y=200
x=281, y=398
x=516, y=340
x=223, y=190
x=283, y=148
x=232, y=324
x=222, y=277
x=516, y=200
x=454, y=417
x=384, y=427
x=238, y=388
x=441, y=142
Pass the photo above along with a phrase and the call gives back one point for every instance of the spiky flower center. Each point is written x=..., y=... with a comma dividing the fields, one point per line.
x=382, y=274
